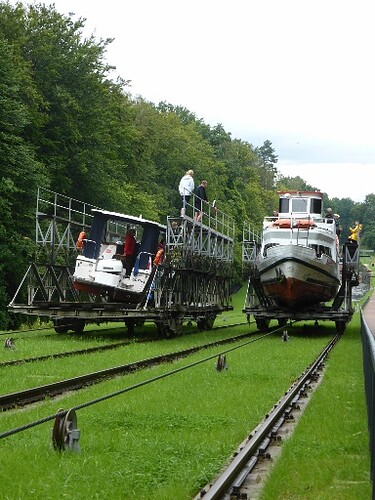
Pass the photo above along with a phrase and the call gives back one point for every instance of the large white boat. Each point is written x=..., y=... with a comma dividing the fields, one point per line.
x=298, y=263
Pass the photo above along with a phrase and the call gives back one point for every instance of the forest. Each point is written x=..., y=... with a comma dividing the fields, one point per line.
x=67, y=125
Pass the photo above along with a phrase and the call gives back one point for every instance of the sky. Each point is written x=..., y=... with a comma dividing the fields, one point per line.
x=299, y=73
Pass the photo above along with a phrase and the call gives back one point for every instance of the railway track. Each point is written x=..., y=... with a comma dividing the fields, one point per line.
x=28, y=396
x=90, y=350
x=232, y=482
x=66, y=354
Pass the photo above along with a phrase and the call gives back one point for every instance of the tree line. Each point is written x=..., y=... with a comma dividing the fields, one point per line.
x=66, y=125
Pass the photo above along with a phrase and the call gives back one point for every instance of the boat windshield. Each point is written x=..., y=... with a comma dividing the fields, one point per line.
x=300, y=205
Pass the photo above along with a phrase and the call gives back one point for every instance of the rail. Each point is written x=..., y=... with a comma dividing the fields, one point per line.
x=232, y=478
x=28, y=396
x=209, y=215
x=368, y=349
x=58, y=221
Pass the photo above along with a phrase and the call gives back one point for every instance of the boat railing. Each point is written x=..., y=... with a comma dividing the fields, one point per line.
x=251, y=241
x=208, y=214
x=58, y=222
x=202, y=229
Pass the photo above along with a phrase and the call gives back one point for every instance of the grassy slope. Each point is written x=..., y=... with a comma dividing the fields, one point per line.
x=328, y=456
x=167, y=439
x=163, y=441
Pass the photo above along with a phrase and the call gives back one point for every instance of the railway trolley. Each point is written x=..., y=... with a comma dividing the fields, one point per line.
x=182, y=269
x=296, y=269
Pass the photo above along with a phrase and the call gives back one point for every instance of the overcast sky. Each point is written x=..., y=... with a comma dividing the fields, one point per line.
x=299, y=73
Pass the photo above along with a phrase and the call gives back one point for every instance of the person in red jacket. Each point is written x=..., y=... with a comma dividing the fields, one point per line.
x=129, y=251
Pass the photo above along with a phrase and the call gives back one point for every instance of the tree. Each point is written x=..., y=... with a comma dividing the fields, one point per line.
x=368, y=221
x=268, y=157
x=20, y=175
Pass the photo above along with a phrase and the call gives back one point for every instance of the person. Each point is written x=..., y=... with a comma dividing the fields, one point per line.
x=338, y=224
x=200, y=196
x=159, y=257
x=129, y=251
x=329, y=214
x=186, y=188
x=354, y=233
x=81, y=240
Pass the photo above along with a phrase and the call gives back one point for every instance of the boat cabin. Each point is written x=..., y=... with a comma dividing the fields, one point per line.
x=107, y=234
x=300, y=204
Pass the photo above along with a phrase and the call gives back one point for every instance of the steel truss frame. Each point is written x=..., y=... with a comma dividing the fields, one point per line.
x=193, y=282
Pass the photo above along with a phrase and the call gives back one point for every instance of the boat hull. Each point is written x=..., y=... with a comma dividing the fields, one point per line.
x=293, y=276
x=93, y=277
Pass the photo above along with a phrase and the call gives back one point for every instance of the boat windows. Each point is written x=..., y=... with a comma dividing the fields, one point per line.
x=267, y=246
x=316, y=206
x=300, y=205
x=321, y=249
x=284, y=205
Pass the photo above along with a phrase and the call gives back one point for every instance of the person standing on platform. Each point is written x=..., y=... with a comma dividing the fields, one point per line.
x=200, y=197
x=186, y=188
x=354, y=233
x=129, y=251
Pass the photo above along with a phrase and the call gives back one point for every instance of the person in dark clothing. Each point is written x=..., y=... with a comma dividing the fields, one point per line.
x=200, y=197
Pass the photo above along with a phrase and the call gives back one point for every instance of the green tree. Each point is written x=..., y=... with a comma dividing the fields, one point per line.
x=368, y=221
x=20, y=176
x=268, y=157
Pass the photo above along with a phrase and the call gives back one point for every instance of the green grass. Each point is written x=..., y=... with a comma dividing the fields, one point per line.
x=22, y=376
x=168, y=439
x=327, y=457
x=162, y=441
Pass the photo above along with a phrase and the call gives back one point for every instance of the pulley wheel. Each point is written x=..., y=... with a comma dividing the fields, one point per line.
x=64, y=433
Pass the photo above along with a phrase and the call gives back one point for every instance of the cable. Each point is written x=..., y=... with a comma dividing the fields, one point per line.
x=127, y=389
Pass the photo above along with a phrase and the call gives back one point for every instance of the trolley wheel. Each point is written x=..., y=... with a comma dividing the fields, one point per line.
x=201, y=324
x=206, y=323
x=64, y=432
x=340, y=326
x=78, y=326
x=162, y=330
x=61, y=326
x=262, y=324
x=175, y=325
x=210, y=321
x=130, y=324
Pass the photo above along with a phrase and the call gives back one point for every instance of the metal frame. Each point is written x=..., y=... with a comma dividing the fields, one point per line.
x=194, y=282
x=264, y=309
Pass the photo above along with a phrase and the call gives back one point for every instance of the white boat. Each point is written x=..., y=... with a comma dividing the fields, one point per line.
x=99, y=268
x=299, y=263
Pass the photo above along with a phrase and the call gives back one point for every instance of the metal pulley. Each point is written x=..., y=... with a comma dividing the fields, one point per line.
x=65, y=435
x=221, y=363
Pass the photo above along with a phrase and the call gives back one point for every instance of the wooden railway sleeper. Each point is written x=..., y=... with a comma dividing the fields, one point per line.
x=263, y=447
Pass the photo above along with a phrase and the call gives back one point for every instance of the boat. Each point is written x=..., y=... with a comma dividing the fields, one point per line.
x=100, y=267
x=298, y=263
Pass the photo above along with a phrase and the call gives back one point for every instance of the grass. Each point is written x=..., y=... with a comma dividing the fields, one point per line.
x=162, y=441
x=22, y=376
x=168, y=439
x=327, y=457
x=26, y=375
